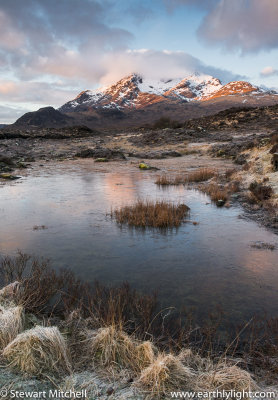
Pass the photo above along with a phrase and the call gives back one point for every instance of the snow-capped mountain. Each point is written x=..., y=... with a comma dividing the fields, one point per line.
x=135, y=92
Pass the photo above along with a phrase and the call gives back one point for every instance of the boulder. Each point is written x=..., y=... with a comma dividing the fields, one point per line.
x=101, y=160
x=101, y=153
x=9, y=176
x=145, y=166
x=275, y=161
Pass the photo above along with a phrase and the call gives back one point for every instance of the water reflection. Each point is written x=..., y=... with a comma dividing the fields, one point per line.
x=202, y=266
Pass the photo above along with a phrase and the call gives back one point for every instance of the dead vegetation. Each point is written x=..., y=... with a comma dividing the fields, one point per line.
x=112, y=347
x=226, y=377
x=38, y=282
x=11, y=323
x=165, y=374
x=191, y=372
x=216, y=192
x=37, y=351
x=159, y=214
x=106, y=328
x=199, y=175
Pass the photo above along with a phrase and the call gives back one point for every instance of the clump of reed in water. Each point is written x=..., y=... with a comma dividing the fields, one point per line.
x=158, y=214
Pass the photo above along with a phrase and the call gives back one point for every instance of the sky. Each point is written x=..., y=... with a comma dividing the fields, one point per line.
x=50, y=50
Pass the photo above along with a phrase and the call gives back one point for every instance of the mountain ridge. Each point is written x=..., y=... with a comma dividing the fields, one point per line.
x=135, y=92
x=135, y=102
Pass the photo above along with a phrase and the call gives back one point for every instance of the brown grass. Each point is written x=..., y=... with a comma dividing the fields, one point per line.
x=112, y=347
x=44, y=292
x=216, y=192
x=166, y=373
x=159, y=214
x=163, y=180
x=39, y=285
x=37, y=351
x=11, y=323
x=199, y=175
x=224, y=377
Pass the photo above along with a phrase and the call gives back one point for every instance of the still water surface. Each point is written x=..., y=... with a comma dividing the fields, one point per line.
x=197, y=266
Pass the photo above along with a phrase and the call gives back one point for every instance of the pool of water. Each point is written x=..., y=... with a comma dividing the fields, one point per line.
x=198, y=266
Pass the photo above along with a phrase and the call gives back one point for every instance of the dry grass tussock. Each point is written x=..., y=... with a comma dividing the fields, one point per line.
x=216, y=192
x=112, y=347
x=159, y=214
x=195, y=361
x=191, y=372
x=11, y=323
x=166, y=373
x=225, y=377
x=199, y=175
x=37, y=351
x=218, y=376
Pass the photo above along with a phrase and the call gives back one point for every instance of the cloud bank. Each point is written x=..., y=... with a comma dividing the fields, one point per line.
x=269, y=71
x=50, y=50
x=244, y=25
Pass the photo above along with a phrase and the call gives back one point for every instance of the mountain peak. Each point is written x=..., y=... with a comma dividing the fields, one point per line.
x=135, y=91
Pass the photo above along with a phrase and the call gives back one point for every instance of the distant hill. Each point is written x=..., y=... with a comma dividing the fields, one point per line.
x=46, y=117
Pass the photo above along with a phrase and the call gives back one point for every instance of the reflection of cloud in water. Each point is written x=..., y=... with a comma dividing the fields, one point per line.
x=195, y=265
x=120, y=189
x=260, y=262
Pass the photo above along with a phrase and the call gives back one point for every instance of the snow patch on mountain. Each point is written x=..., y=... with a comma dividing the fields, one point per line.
x=134, y=91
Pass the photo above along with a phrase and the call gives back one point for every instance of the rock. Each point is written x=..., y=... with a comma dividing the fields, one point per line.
x=21, y=165
x=156, y=154
x=240, y=159
x=170, y=153
x=101, y=160
x=8, y=176
x=110, y=391
x=100, y=152
x=144, y=166
x=274, y=161
x=5, y=168
x=6, y=164
x=273, y=150
x=6, y=160
x=220, y=203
